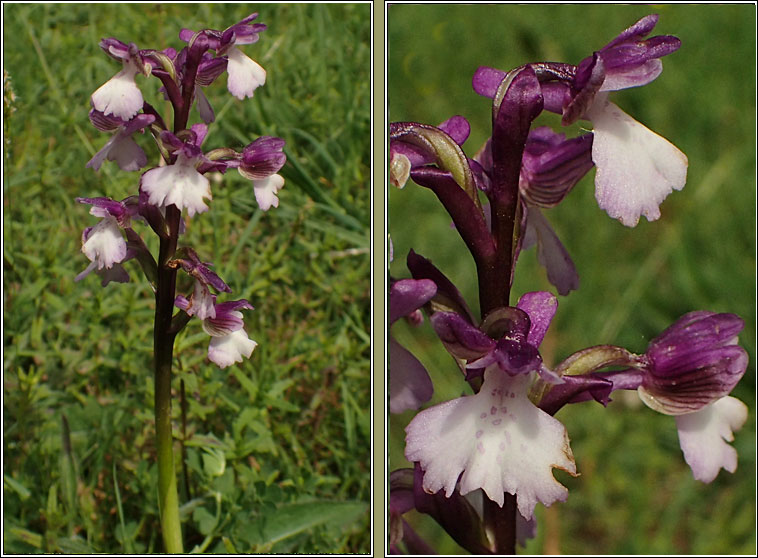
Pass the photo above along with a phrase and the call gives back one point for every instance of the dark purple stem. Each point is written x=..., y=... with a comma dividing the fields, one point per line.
x=194, y=54
x=502, y=523
x=520, y=105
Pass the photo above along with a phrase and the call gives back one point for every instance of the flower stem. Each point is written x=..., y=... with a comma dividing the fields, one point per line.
x=168, y=499
x=163, y=346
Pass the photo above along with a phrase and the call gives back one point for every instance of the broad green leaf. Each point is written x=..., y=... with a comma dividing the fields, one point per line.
x=291, y=519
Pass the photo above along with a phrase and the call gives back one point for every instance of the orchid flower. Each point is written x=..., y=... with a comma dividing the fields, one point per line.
x=260, y=162
x=688, y=372
x=103, y=244
x=180, y=183
x=497, y=439
x=499, y=445
x=229, y=341
x=245, y=74
x=120, y=95
x=636, y=168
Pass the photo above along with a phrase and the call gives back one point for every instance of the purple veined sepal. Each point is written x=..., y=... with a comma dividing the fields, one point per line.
x=120, y=95
x=409, y=382
x=693, y=363
x=120, y=148
x=551, y=166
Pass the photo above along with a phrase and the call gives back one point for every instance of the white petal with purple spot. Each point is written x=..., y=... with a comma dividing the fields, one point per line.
x=179, y=184
x=498, y=439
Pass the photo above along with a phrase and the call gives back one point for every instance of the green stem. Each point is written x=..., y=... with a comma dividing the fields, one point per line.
x=163, y=345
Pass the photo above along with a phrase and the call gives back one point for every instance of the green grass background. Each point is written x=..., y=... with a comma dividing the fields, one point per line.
x=278, y=447
x=635, y=493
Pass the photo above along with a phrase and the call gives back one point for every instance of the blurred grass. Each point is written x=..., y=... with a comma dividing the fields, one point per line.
x=288, y=427
x=635, y=494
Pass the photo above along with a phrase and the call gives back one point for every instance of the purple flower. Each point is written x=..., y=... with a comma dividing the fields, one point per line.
x=693, y=363
x=409, y=383
x=121, y=147
x=688, y=371
x=201, y=302
x=103, y=244
x=180, y=183
x=229, y=341
x=120, y=95
x=497, y=439
x=245, y=75
x=636, y=168
x=261, y=160
x=692, y=367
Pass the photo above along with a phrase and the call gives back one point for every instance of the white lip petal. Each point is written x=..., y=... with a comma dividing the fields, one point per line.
x=226, y=350
x=266, y=189
x=120, y=95
x=497, y=439
x=105, y=246
x=245, y=74
x=703, y=437
x=179, y=184
x=636, y=168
